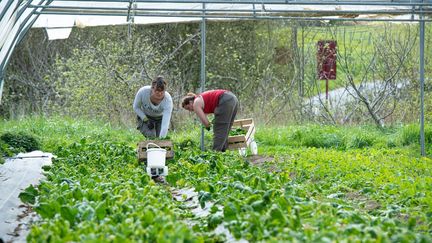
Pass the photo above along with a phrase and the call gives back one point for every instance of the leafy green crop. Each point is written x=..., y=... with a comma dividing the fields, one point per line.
x=97, y=191
x=20, y=142
x=29, y=195
x=5, y=151
x=237, y=131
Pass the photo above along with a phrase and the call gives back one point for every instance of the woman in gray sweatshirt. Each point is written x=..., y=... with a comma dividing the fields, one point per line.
x=153, y=106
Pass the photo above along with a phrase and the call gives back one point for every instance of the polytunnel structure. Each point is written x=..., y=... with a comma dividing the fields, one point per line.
x=59, y=17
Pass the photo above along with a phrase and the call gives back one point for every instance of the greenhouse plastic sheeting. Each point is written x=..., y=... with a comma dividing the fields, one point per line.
x=174, y=12
x=16, y=174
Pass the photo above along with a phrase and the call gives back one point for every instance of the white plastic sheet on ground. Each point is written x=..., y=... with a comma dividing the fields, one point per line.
x=16, y=174
x=189, y=197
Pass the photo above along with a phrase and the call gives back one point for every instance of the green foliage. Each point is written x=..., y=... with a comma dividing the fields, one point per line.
x=411, y=134
x=360, y=141
x=319, y=139
x=96, y=190
x=96, y=186
x=5, y=150
x=18, y=142
x=342, y=138
x=29, y=195
x=48, y=131
x=186, y=144
x=237, y=131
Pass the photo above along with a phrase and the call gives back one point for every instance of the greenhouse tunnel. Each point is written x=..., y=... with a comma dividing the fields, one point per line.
x=59, y=17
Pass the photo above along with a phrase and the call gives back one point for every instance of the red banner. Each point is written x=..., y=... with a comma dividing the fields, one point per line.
x=326, y=59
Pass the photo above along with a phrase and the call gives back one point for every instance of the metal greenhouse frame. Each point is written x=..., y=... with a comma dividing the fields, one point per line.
x=18, y=16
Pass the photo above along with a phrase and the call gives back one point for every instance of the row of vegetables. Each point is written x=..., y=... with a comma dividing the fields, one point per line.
x=97, y=191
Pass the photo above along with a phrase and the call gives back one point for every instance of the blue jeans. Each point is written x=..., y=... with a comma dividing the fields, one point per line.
x=150, y=128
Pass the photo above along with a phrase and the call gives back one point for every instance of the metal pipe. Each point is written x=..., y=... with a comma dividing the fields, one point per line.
x=22, y=30
x=19, y=35
x=252, y=11
x=284, y=2
x=422, y=37
x=244, y=17
x=203, y=62
x=5, y=8
x=1, y=84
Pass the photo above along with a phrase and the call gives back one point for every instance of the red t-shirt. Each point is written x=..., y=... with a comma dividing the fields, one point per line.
x=211, y=99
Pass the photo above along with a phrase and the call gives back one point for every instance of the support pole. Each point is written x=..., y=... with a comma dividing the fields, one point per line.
x=1, y=85
x=422, y=37
x=203, y=67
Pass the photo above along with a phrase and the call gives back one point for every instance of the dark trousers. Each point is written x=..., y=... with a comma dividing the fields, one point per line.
x=224, y=113
x=150, y=128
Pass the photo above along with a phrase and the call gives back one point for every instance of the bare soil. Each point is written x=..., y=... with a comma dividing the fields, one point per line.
x=259, y=160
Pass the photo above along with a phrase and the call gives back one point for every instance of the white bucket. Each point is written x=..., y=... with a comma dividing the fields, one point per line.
x=155, y=156
x=243, y=152
x=253, y=147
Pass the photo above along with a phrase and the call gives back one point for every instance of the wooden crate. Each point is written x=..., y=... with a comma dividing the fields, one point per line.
x=165, y=144
x=242, y=141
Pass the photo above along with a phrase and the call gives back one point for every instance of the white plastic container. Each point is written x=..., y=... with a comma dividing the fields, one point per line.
x=253, y=147
x=243, y=152
x=155, y=156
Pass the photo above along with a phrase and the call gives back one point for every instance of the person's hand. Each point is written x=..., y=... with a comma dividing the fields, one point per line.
x=208, y=127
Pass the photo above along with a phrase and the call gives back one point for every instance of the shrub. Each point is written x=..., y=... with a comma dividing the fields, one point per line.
x=410, y=135
x=360, y=141
x=428, y=134
x=320, y=138
x=312, y=141
x=333, y=141
x=19, y=142
x=391, y=143
x=5, y=151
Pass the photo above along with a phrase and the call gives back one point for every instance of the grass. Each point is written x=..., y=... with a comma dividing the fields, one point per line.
x=56, y=131
x=341, y=138
x=61, y=131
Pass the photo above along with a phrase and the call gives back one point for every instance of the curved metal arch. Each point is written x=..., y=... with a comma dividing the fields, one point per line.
x=16, y=19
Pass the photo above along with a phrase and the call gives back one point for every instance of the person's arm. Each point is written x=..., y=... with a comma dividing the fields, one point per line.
x=137, y=105
x=198, y=106
x=166, y=118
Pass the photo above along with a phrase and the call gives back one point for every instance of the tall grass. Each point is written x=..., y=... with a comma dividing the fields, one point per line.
x=410, y=134
x=56, y=132
x=342, y=138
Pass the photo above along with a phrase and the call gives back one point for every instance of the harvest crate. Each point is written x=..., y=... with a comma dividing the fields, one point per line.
x=165, y=144
x=242, y=141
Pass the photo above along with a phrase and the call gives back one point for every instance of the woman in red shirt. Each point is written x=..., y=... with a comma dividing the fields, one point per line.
x=223, y=104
